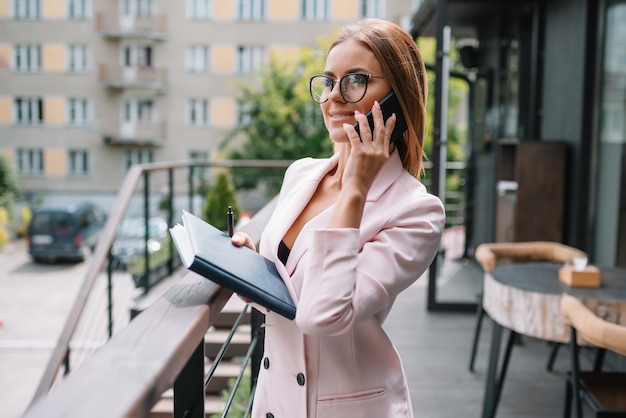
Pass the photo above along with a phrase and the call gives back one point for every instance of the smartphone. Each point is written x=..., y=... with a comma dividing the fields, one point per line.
x=389, y=105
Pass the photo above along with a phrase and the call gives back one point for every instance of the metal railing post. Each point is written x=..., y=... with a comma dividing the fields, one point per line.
x=256, y=321
x=170, y=219
x=189, y=392
x=110, y=294
x=146, y=208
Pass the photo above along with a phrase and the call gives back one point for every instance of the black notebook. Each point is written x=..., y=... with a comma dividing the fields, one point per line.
x=209, y=252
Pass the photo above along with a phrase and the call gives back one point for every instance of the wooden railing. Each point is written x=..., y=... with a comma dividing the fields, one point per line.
x=129, y=373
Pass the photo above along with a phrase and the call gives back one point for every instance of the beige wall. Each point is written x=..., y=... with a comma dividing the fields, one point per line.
x=224, y=9
x=284, y=53
x=54, y=110
x=5, y=56
x=222, y=112
x=283, y=10
x=53, y=9
x=55, y=162
x=6, y=110
x=345, y=9
x=4, y=8
x=53, y=59
x=223, y=58
x=9, y=154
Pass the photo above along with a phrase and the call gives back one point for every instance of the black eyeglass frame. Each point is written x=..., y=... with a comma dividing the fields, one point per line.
x=340, y=80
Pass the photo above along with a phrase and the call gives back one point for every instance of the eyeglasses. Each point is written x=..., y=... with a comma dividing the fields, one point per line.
x=352, y=86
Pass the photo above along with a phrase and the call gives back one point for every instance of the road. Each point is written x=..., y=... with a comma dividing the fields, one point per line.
x=35, y=300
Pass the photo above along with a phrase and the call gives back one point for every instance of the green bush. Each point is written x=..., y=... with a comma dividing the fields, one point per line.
x=221, y=195
x=240, y=401
x=26, y=215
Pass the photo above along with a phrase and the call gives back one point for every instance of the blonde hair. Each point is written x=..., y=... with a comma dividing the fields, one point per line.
x=404, y=68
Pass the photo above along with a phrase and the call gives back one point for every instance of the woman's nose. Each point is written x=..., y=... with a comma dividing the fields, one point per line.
x=335, y=93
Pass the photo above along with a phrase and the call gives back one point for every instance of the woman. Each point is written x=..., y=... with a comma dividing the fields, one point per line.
x=348, y=234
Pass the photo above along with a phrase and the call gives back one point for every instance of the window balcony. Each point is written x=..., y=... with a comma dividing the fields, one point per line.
x=131, y=27
x=137, y=133
x=139, y=78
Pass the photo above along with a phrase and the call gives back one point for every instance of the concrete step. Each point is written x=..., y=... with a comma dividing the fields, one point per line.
x=239, y=344
x=164, y=408
x=224, y=371
x=231, y=311
x=213, y=403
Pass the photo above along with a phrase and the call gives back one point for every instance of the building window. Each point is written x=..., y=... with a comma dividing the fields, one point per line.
x=137, y=8
x=137, y=156
x=201, y=173
x=77, y=111
x=28, y=110
x=29, y=161
x=249, y=59
x=197, y=59
x=372, y=8
x=26, y=9
x=78, y=161
x=198, y=112
x=77, y=58
x=140, y=111
x=78, y=9
x=198, y=9
x=27, y=58
x=251, y=10
x=314, y=9
x=137, y=56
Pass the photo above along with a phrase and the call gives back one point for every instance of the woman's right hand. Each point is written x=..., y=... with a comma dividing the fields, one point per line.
x=241, y=239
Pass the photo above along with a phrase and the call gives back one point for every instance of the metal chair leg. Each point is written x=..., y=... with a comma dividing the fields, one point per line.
x=553, y=353
x=567, y=407
x=479, y=321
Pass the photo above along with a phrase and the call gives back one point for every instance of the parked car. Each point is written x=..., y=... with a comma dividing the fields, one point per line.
x=64, y=232
x=130, y=240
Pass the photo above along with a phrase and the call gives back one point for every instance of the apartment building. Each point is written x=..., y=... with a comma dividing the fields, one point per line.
x=90, y=87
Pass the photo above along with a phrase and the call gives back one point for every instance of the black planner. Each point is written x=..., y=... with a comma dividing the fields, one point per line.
x=209, y=252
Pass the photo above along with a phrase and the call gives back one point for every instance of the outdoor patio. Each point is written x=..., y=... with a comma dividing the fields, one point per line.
x=435, y=348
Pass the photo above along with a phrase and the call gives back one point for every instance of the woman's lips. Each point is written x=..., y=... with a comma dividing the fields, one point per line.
x=341, y=116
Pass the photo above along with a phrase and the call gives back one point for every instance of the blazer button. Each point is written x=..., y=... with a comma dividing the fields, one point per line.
x=300, y=379
x=266, y=363
x=269, y=415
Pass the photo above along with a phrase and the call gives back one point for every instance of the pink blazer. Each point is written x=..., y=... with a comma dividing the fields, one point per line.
x=334, y=359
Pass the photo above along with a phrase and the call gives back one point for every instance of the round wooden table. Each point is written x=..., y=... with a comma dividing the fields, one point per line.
x=526, y=298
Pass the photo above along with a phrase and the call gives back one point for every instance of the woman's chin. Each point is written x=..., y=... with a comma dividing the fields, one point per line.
x=338, y=135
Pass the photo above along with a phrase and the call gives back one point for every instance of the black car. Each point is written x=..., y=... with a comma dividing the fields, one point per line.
x=64, y=232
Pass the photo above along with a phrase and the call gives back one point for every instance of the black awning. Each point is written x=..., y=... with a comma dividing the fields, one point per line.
x=464, y=16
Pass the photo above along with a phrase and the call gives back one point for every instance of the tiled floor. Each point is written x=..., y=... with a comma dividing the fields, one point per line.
x=435, y=348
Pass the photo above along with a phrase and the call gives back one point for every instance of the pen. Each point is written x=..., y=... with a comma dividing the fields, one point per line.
x=231, y=221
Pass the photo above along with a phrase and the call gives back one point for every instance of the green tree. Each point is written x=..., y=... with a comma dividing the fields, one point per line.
x=221, y=195
x=278, y=121
x=9, y=186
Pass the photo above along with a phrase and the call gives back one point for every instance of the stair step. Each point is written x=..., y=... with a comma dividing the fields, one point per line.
x=231, y=312
x=239, y=344
x=223, y=373
x=164, y=408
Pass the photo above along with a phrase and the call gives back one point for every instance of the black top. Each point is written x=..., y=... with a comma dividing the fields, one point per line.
x=283, y=252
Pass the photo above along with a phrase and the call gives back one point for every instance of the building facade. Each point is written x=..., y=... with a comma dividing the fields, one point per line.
x=90, y=87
